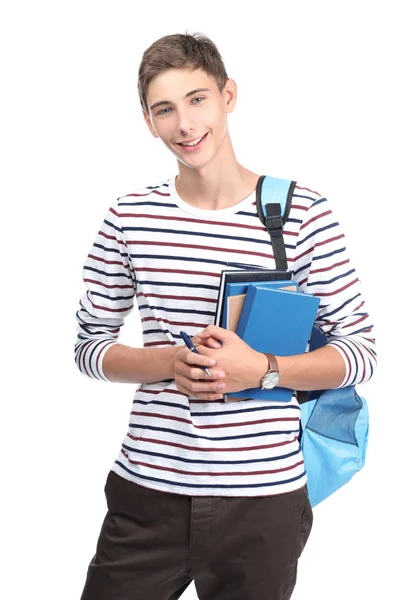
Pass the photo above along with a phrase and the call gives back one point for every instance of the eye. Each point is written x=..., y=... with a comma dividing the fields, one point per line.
x=163, y=111
x=198, y=98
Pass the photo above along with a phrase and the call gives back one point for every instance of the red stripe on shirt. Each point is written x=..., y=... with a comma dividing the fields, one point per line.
x=210, y=473
x=315, y=218
x=177, y=271
x=356, y=322
x=219, y=425
x=213, y=449
x=106, y=285
x=166, y=194
x=334, y=292
x=108, y=262
x=297, y=187
x=325, y=269
x=199, y=298
x=329, y=240
x=113, y=310
x=188, y=323
x=198, y=247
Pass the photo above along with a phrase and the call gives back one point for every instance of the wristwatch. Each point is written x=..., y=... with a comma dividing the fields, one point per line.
x=271, y=377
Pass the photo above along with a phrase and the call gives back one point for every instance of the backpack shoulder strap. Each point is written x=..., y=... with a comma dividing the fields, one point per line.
x=273, y=202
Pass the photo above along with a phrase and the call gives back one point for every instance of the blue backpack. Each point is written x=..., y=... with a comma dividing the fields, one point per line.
x=334, y=423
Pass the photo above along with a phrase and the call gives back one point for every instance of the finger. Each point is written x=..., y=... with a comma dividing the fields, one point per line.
x=201, y=360
x=219, y=333
x=197, y=374
x=206, y=352
x=200, y=338
x=203, y=336
x=210, y=343
x=199, y=386
x=206, y=340
x=208, y=396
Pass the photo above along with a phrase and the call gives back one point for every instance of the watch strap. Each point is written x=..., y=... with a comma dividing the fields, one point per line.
x=272, y=362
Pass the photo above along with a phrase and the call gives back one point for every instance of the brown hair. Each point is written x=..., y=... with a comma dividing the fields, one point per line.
x=179, y=51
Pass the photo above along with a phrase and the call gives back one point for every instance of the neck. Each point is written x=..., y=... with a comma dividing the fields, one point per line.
x=219, y=184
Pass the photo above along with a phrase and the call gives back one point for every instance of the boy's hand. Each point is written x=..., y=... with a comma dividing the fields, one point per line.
x=243, y=366
x=192, y=380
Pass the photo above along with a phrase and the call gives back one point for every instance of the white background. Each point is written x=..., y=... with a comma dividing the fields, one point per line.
x=318, y=102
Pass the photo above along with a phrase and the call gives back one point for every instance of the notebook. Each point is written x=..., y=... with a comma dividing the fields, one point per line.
x=243, y=276
x=276, y=321
x=236, y=293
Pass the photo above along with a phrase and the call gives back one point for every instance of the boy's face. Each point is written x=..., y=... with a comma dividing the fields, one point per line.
x=186, y=105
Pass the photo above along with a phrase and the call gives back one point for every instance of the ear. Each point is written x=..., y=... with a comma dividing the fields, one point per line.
x=230, y=95
x=150, y=125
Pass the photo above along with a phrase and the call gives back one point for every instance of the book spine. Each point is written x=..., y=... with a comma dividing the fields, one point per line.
x=246, y=310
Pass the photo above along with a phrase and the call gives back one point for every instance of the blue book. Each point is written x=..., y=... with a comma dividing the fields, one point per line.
x=240, y=289
x=244, y=276
x=279, y=322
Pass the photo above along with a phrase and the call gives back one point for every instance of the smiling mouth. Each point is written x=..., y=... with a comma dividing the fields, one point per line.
x=192, y=143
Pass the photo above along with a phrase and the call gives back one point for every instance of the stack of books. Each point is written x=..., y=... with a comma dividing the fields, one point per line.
x=267, y=311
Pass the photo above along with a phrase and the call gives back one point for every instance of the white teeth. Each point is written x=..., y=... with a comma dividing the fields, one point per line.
x=195, y=142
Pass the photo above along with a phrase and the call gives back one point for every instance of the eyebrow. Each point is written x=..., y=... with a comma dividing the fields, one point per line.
x=162, y=102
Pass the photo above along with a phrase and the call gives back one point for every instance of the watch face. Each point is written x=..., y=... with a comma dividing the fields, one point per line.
x=270, y=380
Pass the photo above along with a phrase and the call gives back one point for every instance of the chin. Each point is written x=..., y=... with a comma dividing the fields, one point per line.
x=199, y=164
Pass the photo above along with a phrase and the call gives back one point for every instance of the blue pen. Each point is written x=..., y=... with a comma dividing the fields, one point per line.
x=192, y=348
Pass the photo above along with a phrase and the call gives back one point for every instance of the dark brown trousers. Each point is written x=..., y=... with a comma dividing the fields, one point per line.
x=152, y=545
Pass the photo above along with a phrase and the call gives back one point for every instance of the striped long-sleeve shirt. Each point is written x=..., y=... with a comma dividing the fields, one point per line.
x=168, y=255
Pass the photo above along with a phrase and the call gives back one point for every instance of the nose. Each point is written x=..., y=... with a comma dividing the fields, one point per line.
x=185, y=122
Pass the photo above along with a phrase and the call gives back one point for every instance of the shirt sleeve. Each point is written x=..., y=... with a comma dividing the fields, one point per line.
x=109, y=297
x=323, y=268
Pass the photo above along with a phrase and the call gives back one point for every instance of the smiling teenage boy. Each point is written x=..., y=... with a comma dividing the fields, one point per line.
x=201, y=489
